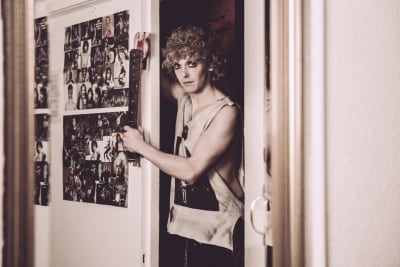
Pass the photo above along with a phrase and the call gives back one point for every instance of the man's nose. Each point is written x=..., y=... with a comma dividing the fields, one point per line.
x=185, y=71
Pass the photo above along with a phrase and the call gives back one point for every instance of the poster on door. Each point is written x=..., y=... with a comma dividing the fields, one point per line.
x=96, y=102
x=96, y=63
x=94, y=159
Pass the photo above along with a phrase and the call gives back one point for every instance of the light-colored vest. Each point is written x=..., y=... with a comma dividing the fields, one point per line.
x=204, y=226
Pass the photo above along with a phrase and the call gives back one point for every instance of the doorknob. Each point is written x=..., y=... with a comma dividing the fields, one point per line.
x=266, y=230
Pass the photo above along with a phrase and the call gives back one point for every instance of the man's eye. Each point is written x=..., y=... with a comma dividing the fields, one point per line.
x=192, y=64
x=177, y=66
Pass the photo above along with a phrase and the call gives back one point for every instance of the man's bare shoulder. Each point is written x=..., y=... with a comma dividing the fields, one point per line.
x=228, y=113
x=226, y=121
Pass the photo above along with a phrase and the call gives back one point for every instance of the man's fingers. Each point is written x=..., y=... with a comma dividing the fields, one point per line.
x=140, y=129
x=126, y=128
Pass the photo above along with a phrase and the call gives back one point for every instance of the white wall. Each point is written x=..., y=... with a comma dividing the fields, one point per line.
x=42, y=213
x=362, y=131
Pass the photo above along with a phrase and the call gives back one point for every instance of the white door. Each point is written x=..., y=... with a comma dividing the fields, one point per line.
x=255, y=133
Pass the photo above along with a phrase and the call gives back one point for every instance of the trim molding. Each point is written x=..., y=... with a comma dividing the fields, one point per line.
x=18, y=133
x=287, y=132
x=315, y=139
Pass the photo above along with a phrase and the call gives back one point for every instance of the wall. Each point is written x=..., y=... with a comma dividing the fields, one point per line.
x=42, y=213
x=362, y=132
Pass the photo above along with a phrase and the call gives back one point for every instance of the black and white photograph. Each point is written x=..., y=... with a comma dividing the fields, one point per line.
x=84, y=30
x=95, y=30
x=121, y=78
x=109, y=52
x=96, y=55
x=40, y=27
x=121, y=25
x=42, y=123
x=108, y=26
x=70, y=76
x=85, y=54
x=70, y=104
x=75, y=36
x=94, y=159
x=68, y=39
x=41, y=195
x=41, y=55
x=40, y=95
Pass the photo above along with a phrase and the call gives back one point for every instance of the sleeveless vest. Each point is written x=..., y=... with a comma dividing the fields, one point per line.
x=207, y=210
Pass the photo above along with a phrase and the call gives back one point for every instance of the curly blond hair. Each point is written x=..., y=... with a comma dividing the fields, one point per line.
x=195, y=42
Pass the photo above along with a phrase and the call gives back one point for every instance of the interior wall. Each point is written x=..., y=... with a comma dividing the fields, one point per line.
x=42, y=213
x=362, y=132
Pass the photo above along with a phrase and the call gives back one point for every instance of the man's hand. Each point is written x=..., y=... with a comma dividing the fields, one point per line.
x=133, y=139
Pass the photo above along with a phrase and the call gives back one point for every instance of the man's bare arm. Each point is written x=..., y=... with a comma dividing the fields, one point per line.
x=208, y=149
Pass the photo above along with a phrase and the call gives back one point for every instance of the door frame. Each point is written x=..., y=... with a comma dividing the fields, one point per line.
x=18, y=213
x=287, y=132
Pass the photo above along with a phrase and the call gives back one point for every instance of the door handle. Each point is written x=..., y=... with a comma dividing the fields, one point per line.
x=266, y=228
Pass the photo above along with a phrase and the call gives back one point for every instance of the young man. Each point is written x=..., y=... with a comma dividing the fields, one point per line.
x=206, y=195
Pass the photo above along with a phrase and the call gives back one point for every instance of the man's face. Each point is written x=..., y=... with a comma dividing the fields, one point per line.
x=192, y=75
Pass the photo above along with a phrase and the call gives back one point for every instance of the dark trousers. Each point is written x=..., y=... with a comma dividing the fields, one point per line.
x=185, y=252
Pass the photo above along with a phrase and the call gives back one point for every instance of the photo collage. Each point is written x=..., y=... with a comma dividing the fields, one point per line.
x=94, y=159
x=42, y=117
x=96, y=63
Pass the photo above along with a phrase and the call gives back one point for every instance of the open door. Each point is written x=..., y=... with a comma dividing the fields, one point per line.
x=256, y=129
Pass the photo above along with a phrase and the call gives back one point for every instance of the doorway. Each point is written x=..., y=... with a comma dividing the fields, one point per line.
x=226, y=18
